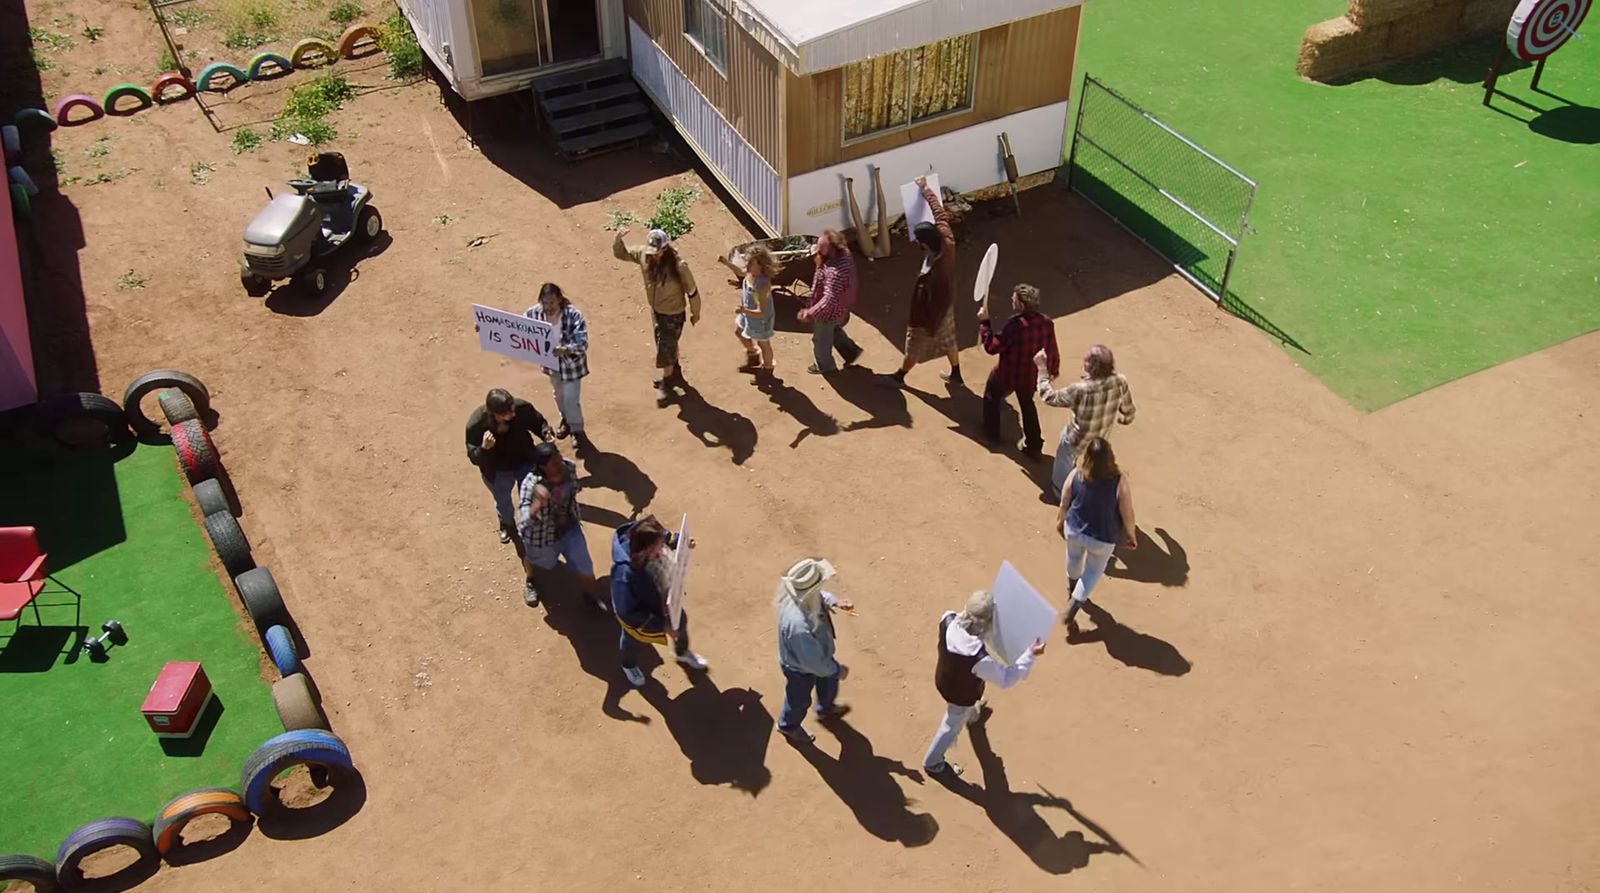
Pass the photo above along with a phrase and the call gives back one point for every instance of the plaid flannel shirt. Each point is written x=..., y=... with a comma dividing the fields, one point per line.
x=1023, y=336
x=574, y=336
x=1096, y=404
x=834, y=288
x=560, y=510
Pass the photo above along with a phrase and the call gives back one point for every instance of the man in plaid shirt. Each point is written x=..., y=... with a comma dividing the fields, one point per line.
x=1098, y=400
x=833, y=296
x=1027, y=333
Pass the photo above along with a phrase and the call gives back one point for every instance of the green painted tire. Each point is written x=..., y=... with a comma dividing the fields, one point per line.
x=123, y=91
x=203, y=83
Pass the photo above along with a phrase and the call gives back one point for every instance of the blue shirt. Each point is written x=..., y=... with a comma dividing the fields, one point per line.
x=1093, y=512
x=802, y=646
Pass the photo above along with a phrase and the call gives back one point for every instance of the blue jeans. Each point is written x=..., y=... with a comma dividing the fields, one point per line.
x=501, y=484
x=572, y=546
x=1086, y=562
x=797, y=696
x=827, y=336
x=569, y=401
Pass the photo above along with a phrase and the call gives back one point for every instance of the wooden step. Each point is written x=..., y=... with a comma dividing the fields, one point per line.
x=600, y=140
x=574, y=77
x=624, y=90
x=566, y=125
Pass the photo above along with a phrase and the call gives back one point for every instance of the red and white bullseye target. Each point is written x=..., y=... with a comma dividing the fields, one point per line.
x=1539, y=27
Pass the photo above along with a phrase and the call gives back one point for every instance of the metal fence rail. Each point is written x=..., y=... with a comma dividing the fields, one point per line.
x=1188, y=205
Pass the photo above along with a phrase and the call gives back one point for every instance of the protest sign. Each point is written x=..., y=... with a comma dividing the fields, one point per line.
x=515, y=336
x=680, y=575
x=1021, y=615
x=916, y=207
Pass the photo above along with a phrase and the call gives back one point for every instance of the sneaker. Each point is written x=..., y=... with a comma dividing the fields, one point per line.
x=635, y=676
x=663, y=396
x=945, y=769
x=814, y=370
x=953, y=377
x=505, y=535
x=797, y=735
x=692, y=661
x=530, y=594
x=563, y=432
x=834, y=711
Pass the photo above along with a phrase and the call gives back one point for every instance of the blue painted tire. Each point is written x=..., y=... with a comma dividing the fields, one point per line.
x=237, y=75
x=34, y=870
x=280, y=647
x=311, y=747
x=280, y=63
x=21, y=178
x=98, y=835
x=11, y=137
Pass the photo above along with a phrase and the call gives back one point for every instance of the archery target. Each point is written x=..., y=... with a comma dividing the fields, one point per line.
x=1539, y=27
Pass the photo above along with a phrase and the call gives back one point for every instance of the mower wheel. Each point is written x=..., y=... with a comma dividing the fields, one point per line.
x=313, y=281
x=254, y=286
x=369, y=226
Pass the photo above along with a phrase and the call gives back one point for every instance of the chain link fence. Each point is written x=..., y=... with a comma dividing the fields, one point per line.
x=1189, y=206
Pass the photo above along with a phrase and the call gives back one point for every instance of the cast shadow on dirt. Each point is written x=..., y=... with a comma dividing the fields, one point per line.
x=1131, y=647
x=885, y=406
x=342, y=267
x=614, y=471
x=1150, y=563
x=714, y=426
x=865, y=783
x=1016, y=815
x=211, y=847
x=593, y=637
x=796, y=405
x=348, y=796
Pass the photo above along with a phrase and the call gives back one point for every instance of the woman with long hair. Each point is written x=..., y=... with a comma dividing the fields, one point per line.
x=572, y=357
x=642, y=557
x=1096, y=514
x=670, y=290
x=833, y=296
x=756, y=316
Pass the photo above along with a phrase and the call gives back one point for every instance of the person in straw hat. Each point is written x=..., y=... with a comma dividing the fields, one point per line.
x=805, y=646
x=964, y=668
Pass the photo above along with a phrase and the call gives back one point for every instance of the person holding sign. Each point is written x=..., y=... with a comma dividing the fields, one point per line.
x=572, y=356
x=963, y=670
x=1027, y=332
x=500, y=438
x=805, y=646
x=669, y=288
x=550, y=524
x=642, y=560
x=931, y=329
x=1096, y=514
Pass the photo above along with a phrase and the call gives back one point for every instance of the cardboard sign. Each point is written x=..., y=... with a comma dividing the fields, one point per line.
x=680, y=575
x=917, y=208
x=516, y=336
x=1021, y=615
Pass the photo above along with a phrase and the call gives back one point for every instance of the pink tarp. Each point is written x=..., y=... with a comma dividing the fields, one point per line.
x=17, y=384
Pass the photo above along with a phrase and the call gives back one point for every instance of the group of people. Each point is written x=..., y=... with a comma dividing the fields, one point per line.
x=535, y=488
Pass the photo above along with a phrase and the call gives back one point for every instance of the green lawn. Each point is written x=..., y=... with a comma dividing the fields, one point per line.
x=1405, y=235
x=73, y=743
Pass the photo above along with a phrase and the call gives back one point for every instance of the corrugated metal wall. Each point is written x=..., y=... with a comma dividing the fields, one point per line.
x=742, y=168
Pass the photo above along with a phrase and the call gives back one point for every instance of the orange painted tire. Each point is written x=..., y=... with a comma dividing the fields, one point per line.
x=363, y=36
x=168, y=830
x=305, y=52
x=167, y=81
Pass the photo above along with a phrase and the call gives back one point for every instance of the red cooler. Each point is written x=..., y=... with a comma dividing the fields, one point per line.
x=180, y=694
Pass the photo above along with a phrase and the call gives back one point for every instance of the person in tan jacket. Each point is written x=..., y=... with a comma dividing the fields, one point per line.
x=670, y=290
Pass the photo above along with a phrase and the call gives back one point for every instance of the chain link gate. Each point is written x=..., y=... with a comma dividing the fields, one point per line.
x=1187, y=205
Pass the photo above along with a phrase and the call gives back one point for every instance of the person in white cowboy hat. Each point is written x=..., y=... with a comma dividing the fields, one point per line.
x=964, y=667
x=805, y=646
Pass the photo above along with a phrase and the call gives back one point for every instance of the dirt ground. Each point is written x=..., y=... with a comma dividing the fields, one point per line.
x=1353, y=652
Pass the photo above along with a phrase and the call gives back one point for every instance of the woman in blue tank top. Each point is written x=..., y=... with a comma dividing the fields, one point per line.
x=1096, y=514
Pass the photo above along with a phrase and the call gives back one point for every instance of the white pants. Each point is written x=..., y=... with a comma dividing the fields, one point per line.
x=567, y=401
x=955, y=717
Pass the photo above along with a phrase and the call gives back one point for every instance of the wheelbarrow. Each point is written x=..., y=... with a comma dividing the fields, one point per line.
x=793, y=254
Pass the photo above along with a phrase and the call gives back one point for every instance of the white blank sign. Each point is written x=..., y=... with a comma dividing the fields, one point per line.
x=1021, y=614
x=917, y=208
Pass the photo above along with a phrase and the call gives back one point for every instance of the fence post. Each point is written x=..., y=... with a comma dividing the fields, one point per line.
x=1072, y=147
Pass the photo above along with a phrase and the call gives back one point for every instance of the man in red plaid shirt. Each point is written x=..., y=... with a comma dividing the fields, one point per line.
x=1027, y=333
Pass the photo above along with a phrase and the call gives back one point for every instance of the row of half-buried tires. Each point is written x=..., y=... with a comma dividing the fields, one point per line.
x=89, y=419
x=164, y=839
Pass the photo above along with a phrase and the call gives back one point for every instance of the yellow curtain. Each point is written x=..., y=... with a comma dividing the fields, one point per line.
x=895, y=90
x=941, y=76
x=875, y=95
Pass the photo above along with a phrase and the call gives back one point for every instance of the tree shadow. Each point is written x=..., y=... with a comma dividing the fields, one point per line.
x=1149, y=563
x=798, y=406
x=342, y=267
x=885, y=406
x=593, y=637
x=614, y=471
x=714, y=426
x=724, y=734
x=1130, y=646
x=865, y=783
x=1016, y=815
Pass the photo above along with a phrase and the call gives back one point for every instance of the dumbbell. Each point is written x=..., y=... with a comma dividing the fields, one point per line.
x=96, y=647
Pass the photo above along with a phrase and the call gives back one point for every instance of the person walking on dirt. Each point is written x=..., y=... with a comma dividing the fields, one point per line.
x=551, y=525
x=572, y=358
x=1098, y=400
x=642, y=559
x=1025, y=334
x=756, y=316
x=1096, y=514
x=963, y=670
x=670, y=290
x=834, y=288
x=500, y=438
x=931, y=328
x=805, y=646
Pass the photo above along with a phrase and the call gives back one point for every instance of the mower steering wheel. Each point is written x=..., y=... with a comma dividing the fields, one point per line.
x=301, y=184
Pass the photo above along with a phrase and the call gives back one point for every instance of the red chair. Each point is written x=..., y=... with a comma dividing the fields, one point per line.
x=22, y=575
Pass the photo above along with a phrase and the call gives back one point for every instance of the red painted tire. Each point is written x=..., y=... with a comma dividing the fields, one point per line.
x=66, y=104
x=172, y=819
x=196, y=453
x=358, y=37
x=166, y=81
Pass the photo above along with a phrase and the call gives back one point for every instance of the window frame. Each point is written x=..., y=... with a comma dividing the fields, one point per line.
x=972, y=93
x=695, y=42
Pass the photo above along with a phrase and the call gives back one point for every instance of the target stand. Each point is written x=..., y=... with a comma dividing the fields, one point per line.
x=1538, y=28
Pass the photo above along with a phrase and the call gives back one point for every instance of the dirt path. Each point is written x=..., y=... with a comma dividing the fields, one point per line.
x=1361, y=661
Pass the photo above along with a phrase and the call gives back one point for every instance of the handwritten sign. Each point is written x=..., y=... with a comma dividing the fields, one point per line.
x=515, y=336
x=1021, y=614
x=917, y=208
x=680, y=575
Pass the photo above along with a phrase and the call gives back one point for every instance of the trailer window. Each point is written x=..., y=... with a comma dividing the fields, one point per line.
x=901, y=89
x=706, y=26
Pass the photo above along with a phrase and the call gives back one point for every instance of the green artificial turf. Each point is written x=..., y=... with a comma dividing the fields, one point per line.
x=73, y=743
x=1404, y=234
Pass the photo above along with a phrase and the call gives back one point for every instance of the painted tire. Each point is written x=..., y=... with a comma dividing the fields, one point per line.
x=99, y=835
x=278, y=62
x=66, y=104
x=207, y=74
x=28, y=119
x=362, y=38
x=196, y=453
x=21, y=206
x=59, y=411
x=34, y=870
x=262, y=599
x=227, y=538
x=20, y=177
x=304, y=53
x=177, y=406
x=314, y=747
x=123, y=91
x=155, y=381
x=166, y=81
x=280, y=647
x=170, y=822
x=11, y=138
x=212, y=499
x=297, y=709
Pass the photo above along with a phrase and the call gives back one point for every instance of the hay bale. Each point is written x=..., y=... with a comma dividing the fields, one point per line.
x=1423, y=33
x=1486, y=16
x=1337, y=47
x=1374, y=12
